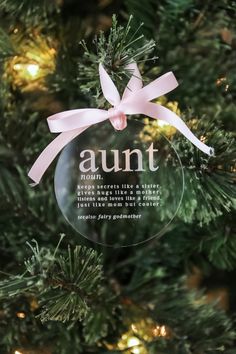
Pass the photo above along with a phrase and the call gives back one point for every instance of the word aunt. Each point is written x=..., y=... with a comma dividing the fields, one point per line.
x=116, y=159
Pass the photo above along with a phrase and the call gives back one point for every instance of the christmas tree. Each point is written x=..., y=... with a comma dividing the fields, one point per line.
x=61, y=293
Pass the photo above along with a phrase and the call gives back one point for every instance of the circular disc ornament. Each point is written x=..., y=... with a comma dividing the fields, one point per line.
x=119, y=188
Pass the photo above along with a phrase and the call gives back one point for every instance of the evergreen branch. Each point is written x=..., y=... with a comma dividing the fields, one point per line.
x=115, y=52
x=191, y=52
x=210, y=181
x=175, y=8
x=146, y=14
x=209, y=189
x=9, y=188
x=64, y=285
x=6, y=47
x=168, y=300
x=211, y=248
x=30, y=11
x=219, y=244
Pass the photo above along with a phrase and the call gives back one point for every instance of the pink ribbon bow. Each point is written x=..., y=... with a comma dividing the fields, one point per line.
x=135, y=100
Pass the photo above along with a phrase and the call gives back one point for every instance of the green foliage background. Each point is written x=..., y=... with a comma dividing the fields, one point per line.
x=66, y=312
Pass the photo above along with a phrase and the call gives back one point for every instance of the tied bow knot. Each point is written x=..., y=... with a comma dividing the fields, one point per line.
x=117, y=118
x=136, y=99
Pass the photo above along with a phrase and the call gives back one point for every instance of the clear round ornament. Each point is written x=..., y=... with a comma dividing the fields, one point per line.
x=119, y=188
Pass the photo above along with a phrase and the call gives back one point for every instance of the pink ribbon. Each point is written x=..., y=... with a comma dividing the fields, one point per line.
x=135, y=100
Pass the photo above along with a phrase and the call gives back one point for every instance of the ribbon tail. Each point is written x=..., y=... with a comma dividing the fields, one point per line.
x=50, y=152
x=157, y=111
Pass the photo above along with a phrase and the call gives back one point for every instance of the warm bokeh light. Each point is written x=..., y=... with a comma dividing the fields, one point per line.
x=20, y=315
x=154, y=127
x=27, y=70
x=140, y=332
x=36, y=59
x=133, y=343
x=222, y=81
x=203, y=138
x=32, y=69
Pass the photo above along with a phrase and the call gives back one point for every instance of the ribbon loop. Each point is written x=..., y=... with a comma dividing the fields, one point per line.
x=109, y=89
x=156, y=88
x=75, y=118
x=135, y=83
x=135, y=100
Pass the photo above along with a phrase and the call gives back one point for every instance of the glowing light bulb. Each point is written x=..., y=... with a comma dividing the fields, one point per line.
x=163, y=332
x=133, y=342
x=156, y=331
x=220, y=80
x=17, y=352
x=32, y=69
x=17, y=67
x=20, y=314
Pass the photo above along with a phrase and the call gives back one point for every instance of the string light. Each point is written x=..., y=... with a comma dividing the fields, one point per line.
x=152, y=129
x=21, y=315
x=221, y=81
x=17, y=67
x=163, y=332
x=143, y=331
x=29, y=69
x=160, y=331
x=32, y=69
x=17, y=352
x=203, y=138
x=133, y=344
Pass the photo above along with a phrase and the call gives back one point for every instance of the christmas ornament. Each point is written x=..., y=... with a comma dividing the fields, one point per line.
x=110, y=184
